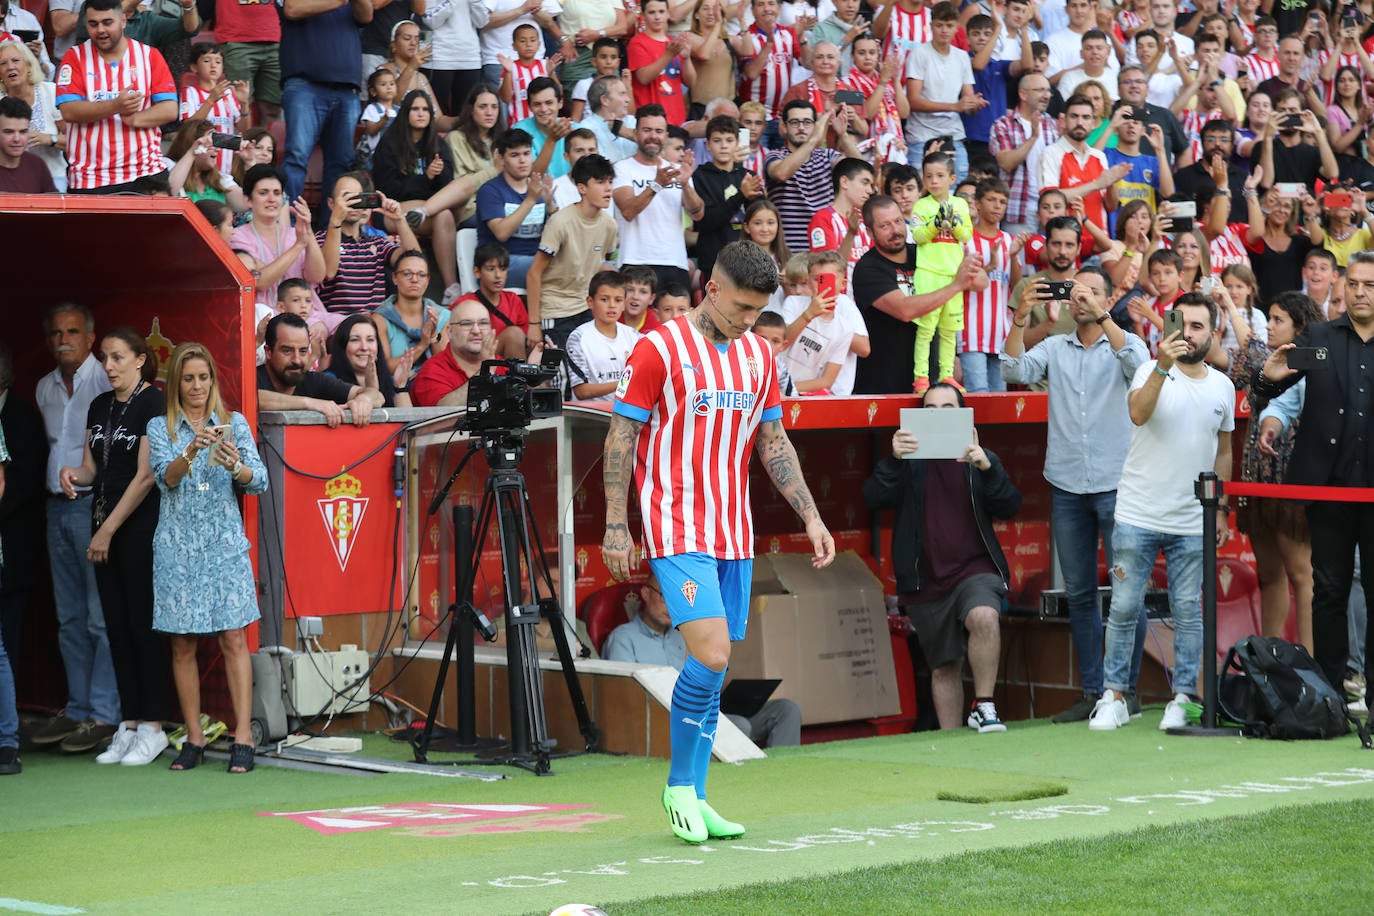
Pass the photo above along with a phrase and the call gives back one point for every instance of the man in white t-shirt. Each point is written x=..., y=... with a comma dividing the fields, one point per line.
x=650, y=195
x=939, y=86
x=1183, y=412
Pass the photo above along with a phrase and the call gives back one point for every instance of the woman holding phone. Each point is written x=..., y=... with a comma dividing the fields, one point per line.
x=124, y=514
x=201, y=456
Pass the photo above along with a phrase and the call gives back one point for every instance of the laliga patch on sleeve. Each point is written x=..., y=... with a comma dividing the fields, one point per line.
x=817, y=237
x=624, y=385
x=64, y=76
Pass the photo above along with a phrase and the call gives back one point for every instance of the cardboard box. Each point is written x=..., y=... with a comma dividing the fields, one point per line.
x=824, y=633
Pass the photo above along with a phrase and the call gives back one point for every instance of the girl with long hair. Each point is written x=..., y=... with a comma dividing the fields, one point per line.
x=480, y=122
x=196, y=173
x=1348, y=115
x=763, y=226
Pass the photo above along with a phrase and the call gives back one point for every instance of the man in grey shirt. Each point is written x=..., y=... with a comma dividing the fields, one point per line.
x=1089, y=374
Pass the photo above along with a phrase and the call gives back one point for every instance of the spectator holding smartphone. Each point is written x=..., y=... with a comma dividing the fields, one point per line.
x=202, y=455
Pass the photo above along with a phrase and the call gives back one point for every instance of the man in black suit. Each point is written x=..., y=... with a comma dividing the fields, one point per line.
x=21, y=507
x=1334, y=448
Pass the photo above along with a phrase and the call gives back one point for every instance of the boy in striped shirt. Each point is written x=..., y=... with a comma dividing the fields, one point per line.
x=213, y=98
x=698, y=396
x=115, y=94
x=516, y=75
x=987, y=312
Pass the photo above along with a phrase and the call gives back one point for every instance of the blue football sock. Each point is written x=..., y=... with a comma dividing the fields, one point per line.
x=706, y=742
x=689, y=712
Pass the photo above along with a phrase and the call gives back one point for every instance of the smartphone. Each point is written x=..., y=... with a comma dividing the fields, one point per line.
x=1290, y=190
x=1059, y=290
x=1180, y=225
x=1186, y=208
x=226, y=141
x=826, y=285
x=1305, y=359
x=1291, y=122
x=224, y=433
x=1207, y=285
x=27, y=35
x=370, y=201
x=1173, y=321
x=1337, y=200
x=426, y=41
x=849, y=97
x=744, y=139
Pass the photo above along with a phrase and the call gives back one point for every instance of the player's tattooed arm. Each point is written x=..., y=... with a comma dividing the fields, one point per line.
x=618, y=469
x=780, y=461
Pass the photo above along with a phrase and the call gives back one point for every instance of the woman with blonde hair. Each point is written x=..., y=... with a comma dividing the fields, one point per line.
x=21, y=77
x=202, y=455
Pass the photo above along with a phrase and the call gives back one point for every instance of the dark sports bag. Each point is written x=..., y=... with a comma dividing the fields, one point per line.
x=1275, y=690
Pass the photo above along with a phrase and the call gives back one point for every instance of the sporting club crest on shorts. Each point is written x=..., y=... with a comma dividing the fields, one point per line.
x=689, y=591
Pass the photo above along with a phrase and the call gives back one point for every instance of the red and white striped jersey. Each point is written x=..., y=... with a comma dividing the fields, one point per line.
x=826, y=232
x=906, y=30
x=987, y=316
x=701, y=408
x=1192, y=123
x=1247, y=31
x=107, y=152
x=771, y=84
x=1228, y=248
x=224, y=116
x=1328, y=87
x=520, y=88
x=1261, y=69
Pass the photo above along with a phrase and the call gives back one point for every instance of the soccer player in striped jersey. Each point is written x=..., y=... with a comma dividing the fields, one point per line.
x=987, y=312
x=115, y=94
x=698, y=395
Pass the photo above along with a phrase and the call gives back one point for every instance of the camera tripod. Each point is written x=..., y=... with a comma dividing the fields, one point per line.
x=505, y=500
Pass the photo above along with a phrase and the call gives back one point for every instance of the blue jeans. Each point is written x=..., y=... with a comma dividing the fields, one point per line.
x=1133, y=557
x=982, y=372
x=916, y=152
x=91, y=689
x=9, y=715
x=519, y=270
x=1076, y=522
x=317, y=114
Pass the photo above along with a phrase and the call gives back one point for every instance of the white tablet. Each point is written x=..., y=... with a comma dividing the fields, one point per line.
x=943, y=432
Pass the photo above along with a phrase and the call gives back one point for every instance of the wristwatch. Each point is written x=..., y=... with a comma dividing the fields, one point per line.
x=1105, y=316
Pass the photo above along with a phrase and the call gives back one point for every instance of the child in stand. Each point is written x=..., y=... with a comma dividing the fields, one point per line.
x=509, y=320
x=673, y=302
x=605, y=62
x=943, y=227
x=1165, y=268
x=214, y=99
x=599, y=349
x=987, y=312
x=902, y=183
x=516, y=75
x=295, y=296
x=640, y=283
x=772, y=327
x=381, y=108
x=818, y=337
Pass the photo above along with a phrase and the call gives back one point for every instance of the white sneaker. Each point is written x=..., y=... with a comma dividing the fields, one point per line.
x=119, y=745
x=1109, y=714
x=1358, y=707
x=1173, y=713
x=983, y=719
x=452, y=292
x=149, y=743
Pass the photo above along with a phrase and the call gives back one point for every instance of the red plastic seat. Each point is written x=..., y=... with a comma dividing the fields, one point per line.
x=608, y=608
x=1238, y=603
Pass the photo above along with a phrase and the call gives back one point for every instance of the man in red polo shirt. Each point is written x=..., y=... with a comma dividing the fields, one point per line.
x=1080, y=171
x=443, y=380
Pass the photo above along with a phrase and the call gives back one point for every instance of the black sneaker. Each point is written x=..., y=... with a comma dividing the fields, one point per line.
x=10, y=765
x=58, y=729
x=1133, y=704
x=88, y=736
x=1078, y=712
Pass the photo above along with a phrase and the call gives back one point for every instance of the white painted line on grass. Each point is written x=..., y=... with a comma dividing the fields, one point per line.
x=32, y=906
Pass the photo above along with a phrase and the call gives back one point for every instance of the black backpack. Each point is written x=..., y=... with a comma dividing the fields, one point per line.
x=1275, y=690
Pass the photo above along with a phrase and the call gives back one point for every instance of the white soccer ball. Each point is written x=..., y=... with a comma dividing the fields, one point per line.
x=578, y=909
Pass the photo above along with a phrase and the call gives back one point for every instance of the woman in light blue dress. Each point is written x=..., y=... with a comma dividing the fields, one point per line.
x=201, y=455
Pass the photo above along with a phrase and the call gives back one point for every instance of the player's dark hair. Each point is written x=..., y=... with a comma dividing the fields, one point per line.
x=848, y=167
x=748, y=267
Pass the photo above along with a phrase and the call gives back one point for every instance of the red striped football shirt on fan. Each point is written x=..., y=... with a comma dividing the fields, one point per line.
x=109, y=152
x=888, y=120
x=520, y=88
x=776, y=78
x=1329, y=86
x=1261, y=69
x=906, y=30
x=827, y=231
x=224, y=116
x=987, y=318
x=1228, y=248
x=701, y=408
